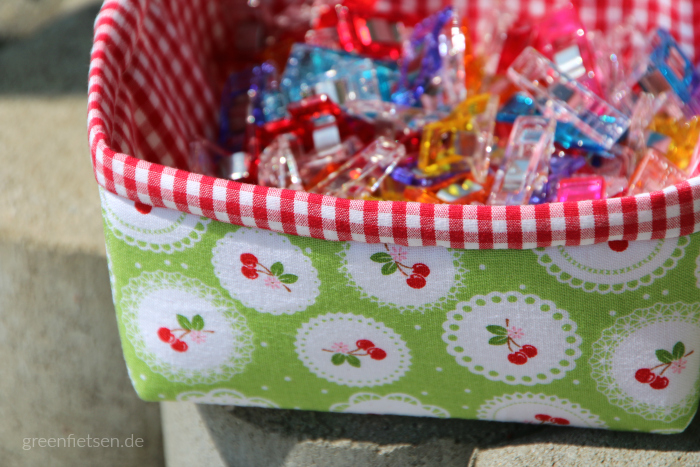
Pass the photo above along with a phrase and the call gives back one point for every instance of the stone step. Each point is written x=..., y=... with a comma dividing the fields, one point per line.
x=254, y=437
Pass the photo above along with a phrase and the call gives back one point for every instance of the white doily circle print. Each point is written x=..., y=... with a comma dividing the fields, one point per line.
x=265, y=271
x=648, y=363
x=538, y=409
x=513, y=338
x=615, y=266
x=391, y=404
x=403, y=278
x=184, y=330
x=352, y=350
x=225, y=397
x=150, y=228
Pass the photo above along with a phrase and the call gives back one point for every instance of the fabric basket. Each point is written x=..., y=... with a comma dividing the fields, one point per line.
x=378, y=307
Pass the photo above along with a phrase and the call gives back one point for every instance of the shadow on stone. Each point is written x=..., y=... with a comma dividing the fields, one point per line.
x=62, y=367
x=688, y=441
x=52, y=61
x=263, y=437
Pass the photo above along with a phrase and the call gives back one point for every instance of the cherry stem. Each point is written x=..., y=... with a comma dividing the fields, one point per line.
x=398, y=265
x=510, y=339
x=514, y=343
x=185, y=332
x=668, y=365
x=352, y=352
x=269, y=273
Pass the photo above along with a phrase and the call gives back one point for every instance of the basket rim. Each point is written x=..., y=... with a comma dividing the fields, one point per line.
x=670, y=213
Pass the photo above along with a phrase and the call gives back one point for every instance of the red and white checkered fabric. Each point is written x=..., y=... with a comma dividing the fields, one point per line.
x=153, y=87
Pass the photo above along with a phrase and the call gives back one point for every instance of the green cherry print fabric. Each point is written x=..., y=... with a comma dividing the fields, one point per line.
x=402, y=278
x=513, y=338
x=151, y=229
x=647, y=364
x=183, y=329
x=601, y=336
x=270, y=274
x=613, y=267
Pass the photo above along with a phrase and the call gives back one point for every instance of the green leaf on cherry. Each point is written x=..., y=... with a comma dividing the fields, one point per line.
x=338, y=358
x=197, y=323
x=288, y=278
x=389, y=268
x=184, y=322
x=664, y=356
x=353, y=361
x=498, y=330
x=277, y=269
x=678, y=350
x=498, y=340
x=381, y=257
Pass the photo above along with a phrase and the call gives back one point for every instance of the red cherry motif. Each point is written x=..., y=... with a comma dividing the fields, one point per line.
x=179, y=346
x=364, y=344
x=249, y=259
x=376, y=353
x=518, y=358
x=421, y=269
x=645, y=376
x=618, y=245
x=416, y=281
x=249, y=272
x=529, y=350
x=553, y=420
x=166, y=336
x=659, y=383
x=143, y=208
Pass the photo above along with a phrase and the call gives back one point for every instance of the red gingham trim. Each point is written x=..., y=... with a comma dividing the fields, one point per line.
x=150, y=92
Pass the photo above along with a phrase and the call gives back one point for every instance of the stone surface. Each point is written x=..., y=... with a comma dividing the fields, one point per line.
x=54, y=59
x=186, y=438
x=62, y=368
x=252, y=437
x=21, y=17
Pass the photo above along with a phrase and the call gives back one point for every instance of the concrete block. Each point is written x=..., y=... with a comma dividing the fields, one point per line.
x=187, y=441
x=252, y=437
